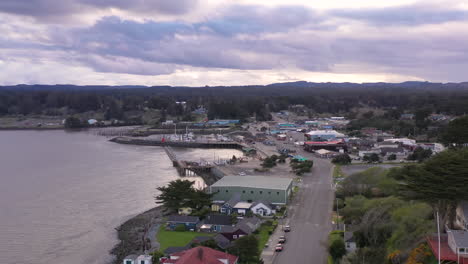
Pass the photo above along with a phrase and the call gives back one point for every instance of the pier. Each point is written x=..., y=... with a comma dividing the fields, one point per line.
x=181, y=144
x=186, y=168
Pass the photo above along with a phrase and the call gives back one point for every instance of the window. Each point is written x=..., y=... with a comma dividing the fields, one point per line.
x=269, y=192
x=251, y=192
x=261, y=192
x=142, y=262
x=234, y=236
x=277, y=193
x=461, y=250
x=243, y=191
x=128, y=262
x=227, y=190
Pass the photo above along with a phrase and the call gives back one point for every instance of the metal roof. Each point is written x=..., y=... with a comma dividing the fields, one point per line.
x=460, y=237
x=265, y=182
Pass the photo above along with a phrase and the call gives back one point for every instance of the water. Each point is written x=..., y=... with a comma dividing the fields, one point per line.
x=62, y=194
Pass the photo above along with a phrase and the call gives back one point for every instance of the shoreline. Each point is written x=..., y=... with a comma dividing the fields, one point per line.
x=131, y=232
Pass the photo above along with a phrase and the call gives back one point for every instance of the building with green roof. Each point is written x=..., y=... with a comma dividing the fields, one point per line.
x=270, y=189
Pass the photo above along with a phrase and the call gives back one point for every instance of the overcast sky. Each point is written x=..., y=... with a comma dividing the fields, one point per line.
x=232, y=42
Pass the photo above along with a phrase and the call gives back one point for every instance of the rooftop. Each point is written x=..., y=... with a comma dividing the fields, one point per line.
x=460, y=237
x=254, y=182
x=203, y=255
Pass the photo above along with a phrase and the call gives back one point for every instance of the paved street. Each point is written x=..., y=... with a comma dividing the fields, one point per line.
x=310, y=219
x=309, y=215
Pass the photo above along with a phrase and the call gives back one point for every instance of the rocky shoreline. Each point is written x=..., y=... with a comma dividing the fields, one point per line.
x=132, y=232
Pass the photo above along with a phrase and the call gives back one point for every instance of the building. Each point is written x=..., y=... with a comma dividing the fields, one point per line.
x=245, y=227
x=185, y=211
x=242, y=208
x=458, y=242
x=190, y=222
x=273, y=190
x=200, y=255
x=350, y=242
x=216, y=223
x=135, y=259
x=324, y=135
x=262, y=208
x=313, y=146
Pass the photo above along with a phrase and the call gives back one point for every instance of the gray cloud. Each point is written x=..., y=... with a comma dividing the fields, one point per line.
x=56, y=10
x=257, y=38
x=404, y=15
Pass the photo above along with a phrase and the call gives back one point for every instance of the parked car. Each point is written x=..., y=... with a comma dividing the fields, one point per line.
x=287, y=228
x=282, y=240
x=279, y=248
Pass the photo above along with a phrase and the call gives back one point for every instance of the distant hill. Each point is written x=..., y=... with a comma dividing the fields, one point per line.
x=299, y=85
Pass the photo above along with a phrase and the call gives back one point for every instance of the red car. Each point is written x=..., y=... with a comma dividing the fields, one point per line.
x=279, y=248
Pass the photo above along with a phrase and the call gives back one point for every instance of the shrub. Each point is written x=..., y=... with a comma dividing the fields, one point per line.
x=180, y=228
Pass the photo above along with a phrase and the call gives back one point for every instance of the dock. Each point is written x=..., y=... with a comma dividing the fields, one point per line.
x=180, y=144
x=187, y=168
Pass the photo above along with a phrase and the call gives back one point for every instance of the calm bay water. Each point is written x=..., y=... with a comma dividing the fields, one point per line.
x=63, y=193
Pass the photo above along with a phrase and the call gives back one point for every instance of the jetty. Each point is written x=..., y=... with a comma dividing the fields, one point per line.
x=186, y=168
x=181, y=144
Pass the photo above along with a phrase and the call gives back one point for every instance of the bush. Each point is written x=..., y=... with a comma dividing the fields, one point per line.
x=156, y=255
x=337, y=248
x=342, y=159
x=180, y=228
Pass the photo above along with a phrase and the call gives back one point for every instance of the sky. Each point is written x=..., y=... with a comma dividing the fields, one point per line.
x=231, y=42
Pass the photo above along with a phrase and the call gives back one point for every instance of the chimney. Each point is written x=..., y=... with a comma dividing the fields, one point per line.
x=200, y=253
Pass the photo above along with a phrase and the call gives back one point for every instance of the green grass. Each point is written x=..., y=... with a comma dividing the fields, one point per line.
x=330, y=260
x=337, y=173
x=263, y=235
x=176, y=239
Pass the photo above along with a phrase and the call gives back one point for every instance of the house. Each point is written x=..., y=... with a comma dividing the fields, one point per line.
x=461, y=218
x=215, y=223
x=228, y=207
x=407, y=116
x=200, y=255
x=275, y=190
x=242, y=208
x=216, y=206
x=190, y=222
x=141, y=259
x=350, y=242
x=262, y=208
x=185, y=211
x=458, y=242
x=391, y=150
x=245, y=227
x=222, y=241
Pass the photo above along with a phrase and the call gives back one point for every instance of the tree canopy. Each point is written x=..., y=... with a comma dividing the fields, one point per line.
x=441, y=181
x=456, y=131
x=180, y=193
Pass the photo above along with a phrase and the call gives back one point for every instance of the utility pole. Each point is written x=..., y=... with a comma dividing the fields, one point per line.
x=438, y=235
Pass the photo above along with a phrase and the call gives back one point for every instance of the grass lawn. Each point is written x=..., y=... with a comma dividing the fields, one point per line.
x=176, y=239
x=330, y=260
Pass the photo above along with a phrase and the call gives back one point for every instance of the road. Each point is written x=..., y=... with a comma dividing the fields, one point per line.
x=310, y=218
x=309, y=215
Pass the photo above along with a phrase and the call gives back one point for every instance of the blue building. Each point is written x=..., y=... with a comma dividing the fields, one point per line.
x=190, y=222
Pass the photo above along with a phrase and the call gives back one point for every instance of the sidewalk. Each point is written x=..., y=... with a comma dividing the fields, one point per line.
x=268, y=254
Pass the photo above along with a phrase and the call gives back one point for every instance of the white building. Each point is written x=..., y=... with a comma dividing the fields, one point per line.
x=262, y=208
x=458, y=242
x=324, y=135
x=141, y=259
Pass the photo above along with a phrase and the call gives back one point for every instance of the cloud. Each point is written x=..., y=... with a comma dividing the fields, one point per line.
x=418, y=14
x=417, y=42
x=56, y=11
